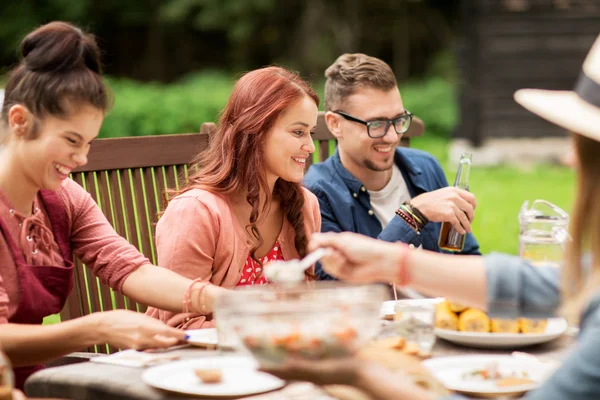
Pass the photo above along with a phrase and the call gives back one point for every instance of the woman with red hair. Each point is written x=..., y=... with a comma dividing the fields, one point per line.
x=244, y=205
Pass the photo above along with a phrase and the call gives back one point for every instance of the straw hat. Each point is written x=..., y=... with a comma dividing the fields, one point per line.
x=577, y=110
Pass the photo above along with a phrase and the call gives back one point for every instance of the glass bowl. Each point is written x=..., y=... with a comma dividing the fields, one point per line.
x=316, y=321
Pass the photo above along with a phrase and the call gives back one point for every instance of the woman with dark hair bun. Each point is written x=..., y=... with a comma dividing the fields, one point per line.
x=245, y=205
x=54, y=104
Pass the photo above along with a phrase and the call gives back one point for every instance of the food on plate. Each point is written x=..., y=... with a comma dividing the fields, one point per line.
x=502, y=377
x=393, y=343
x=511, y=381
x=456, y=307
x=445, y=318
x=473, y=320
x=208, y=375
x=505, y=325
x=532, y=325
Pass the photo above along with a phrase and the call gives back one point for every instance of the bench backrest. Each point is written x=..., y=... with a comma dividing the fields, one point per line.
x=127, y=178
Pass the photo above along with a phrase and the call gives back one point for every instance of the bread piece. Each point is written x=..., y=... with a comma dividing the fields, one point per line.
x=474, y=320
x=208, y=375
x=505, y=325
x=445, y=318
x=533, y=325
x=456, y=307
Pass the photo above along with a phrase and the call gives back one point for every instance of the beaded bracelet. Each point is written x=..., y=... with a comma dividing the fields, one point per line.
x=409, y=210
x=402, y=213
x=187, y=301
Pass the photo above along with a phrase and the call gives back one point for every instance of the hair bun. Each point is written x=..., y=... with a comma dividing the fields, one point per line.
x=60, y=47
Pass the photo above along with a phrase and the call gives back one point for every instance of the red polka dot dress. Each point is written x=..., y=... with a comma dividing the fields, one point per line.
x=252, y=272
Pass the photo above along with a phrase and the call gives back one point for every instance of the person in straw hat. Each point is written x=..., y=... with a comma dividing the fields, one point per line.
x=505, y=286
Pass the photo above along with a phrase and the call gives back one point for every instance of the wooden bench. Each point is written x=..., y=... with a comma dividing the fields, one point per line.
x=127, y=178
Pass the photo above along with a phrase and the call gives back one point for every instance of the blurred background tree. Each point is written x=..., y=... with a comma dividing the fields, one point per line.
x=162, y=40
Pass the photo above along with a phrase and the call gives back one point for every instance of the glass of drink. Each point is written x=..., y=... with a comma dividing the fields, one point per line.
x=417, y=319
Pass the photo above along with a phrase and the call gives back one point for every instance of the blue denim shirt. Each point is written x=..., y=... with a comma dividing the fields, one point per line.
x=346, y=207
x=515, y=288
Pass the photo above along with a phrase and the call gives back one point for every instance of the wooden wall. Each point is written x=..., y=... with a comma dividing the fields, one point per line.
x=512, y=44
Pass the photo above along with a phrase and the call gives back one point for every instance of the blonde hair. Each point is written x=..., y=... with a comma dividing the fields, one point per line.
x=353, y=71
x=579, y=284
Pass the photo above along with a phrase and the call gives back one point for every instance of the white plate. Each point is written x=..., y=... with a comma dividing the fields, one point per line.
x=388, y=308
x=203, y=337
x=554, y=329
x=451, y=372
x=240, y=377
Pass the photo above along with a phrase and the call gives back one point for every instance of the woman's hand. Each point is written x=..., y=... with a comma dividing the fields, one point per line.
x=126, y=329
x=342, y=371
x=377, y=381
x=358, y=258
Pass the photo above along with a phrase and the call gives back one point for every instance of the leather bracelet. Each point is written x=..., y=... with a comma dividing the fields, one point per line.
x=410, y=212
x=418, y=213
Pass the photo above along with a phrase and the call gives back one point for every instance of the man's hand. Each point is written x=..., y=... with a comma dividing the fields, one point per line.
x=449, y=204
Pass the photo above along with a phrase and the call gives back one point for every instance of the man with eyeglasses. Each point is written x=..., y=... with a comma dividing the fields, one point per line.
x=371, y=186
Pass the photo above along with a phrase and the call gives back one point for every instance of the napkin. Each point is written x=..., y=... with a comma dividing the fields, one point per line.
x=134, y=358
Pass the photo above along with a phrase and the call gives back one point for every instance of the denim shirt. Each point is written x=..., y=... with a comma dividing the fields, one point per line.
x=346, y=206
x=515, y=288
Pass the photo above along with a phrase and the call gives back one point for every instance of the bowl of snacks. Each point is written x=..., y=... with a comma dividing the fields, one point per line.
x=315, y=321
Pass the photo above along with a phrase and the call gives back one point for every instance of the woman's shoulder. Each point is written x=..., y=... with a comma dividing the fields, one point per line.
x=199, y=202
x=310, y=200
x=202, y=197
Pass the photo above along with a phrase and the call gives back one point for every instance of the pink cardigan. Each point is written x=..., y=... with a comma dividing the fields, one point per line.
x=198, y=236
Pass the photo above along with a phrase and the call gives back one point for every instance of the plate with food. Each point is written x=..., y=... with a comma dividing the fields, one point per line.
x=218, y=376
x=490, y=375
x=474, y=328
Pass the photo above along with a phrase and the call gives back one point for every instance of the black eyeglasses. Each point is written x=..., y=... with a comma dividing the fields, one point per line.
x=378, y=128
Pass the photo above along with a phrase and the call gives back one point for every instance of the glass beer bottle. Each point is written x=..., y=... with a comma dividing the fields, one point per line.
x=450, y=239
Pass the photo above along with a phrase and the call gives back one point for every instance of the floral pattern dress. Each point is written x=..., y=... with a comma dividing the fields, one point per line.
x=252, y=272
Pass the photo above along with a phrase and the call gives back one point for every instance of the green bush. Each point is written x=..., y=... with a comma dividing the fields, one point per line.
x=433, y=100
x=154, y=109
x=142, y=109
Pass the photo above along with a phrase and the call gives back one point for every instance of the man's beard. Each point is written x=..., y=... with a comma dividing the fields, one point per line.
x=373, y=167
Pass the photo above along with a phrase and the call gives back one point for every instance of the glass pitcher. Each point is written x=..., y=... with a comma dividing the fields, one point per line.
x=544, y=233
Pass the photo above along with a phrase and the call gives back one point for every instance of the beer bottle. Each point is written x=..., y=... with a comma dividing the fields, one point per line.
x=450, y=239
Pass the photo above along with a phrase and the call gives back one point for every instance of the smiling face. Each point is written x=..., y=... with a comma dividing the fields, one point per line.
x=355, y=144
x=61, y=145
x=289, y=143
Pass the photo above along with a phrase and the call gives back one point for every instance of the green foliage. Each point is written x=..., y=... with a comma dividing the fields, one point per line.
x=153, y=109
x=432, y=100
x=235, y=16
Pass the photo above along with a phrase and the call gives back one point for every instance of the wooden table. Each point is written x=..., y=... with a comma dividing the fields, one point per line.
x=93, y=381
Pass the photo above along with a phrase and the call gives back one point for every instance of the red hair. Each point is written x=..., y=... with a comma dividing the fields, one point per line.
x=234, y=162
